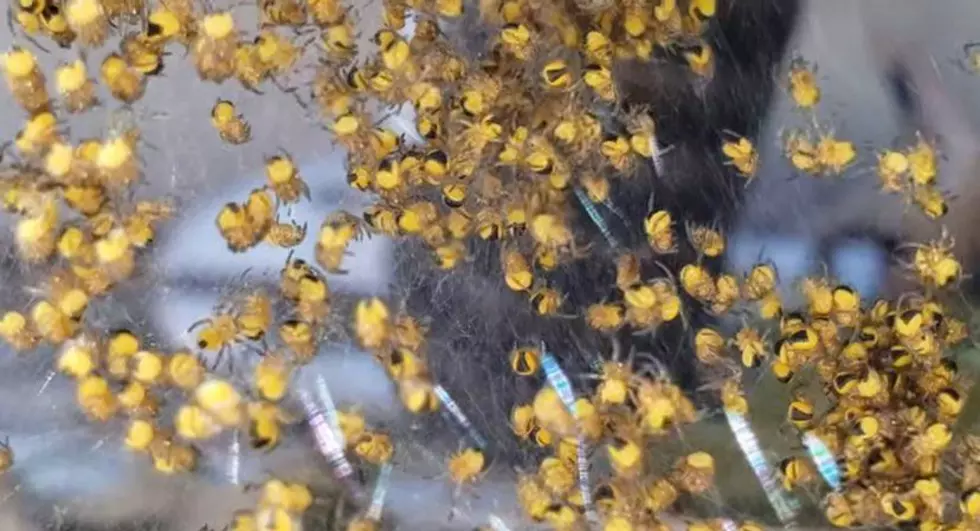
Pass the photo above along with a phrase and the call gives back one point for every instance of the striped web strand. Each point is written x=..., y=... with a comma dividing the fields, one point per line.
x=563, y=387
x=329, y=408
x=824, y=459
x=784, y=506
x=380, y=491
x=235, y=459
x=326, y=440
x=457, y=413
x=595, y=216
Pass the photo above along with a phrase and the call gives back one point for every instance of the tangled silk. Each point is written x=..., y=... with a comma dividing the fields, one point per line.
x=558, y=205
